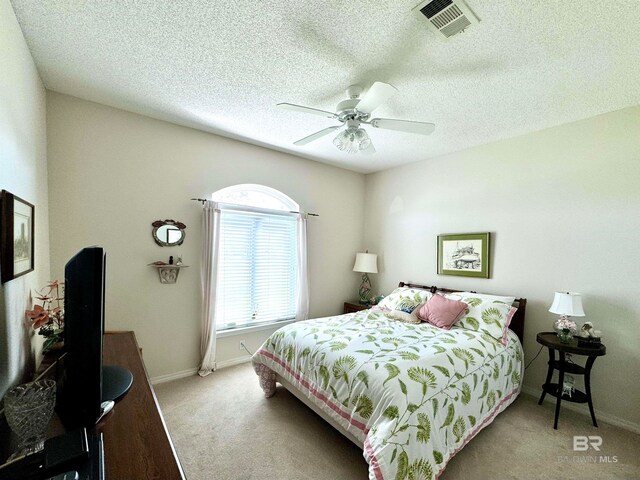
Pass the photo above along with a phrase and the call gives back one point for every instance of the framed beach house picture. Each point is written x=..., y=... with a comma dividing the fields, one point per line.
x=464, y=254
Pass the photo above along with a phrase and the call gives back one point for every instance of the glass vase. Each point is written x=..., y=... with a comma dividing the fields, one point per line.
x=28, y=409
x=565, y=336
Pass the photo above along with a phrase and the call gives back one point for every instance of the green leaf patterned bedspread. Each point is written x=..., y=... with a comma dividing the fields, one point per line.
x=413, y=393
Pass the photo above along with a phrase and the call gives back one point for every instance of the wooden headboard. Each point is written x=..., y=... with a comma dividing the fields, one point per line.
x=517, y=322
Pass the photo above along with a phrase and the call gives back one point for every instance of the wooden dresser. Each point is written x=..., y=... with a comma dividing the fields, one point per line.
x=137, y=444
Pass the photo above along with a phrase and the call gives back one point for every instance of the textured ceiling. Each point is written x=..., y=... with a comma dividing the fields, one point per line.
x=221, y=66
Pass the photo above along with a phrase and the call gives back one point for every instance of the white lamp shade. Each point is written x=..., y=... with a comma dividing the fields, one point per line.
x=567, y=303
x=366, y=263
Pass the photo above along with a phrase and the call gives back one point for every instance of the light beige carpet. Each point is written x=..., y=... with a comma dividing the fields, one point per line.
x=224, y=429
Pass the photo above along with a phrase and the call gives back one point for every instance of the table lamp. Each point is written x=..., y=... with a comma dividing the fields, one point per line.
x=365, y=263
x=566, y=304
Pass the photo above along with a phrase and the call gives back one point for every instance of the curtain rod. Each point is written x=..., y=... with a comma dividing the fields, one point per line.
x=202, y=200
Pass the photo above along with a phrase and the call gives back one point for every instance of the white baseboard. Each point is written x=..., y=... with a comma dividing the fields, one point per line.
x=173, y=376
x=193, y=371
x=584, y=410
x=233, y=362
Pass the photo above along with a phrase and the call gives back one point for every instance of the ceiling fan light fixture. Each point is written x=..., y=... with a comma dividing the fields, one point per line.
x=354, y=111
x=352, y=140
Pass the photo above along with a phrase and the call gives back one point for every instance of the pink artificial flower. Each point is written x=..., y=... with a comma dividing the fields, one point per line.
x=39, y=316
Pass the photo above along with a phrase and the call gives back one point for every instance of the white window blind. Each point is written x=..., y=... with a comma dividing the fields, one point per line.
x=257, y=270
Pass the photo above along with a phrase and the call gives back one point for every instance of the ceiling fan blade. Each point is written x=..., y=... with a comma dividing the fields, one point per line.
x=317, y=135
x=421, y=128
x=313, y=111
x=370, y=150
x=379, y=93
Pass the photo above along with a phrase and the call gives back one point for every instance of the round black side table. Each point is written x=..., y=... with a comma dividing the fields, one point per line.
x=552, y=342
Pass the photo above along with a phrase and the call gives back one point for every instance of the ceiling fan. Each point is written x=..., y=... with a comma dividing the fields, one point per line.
x=356, y=111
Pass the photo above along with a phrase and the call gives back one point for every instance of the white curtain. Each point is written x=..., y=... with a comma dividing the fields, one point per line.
x=302, y=301
x=209, y=276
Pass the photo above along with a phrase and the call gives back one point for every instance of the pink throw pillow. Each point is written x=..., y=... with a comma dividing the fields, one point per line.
x=441, y=312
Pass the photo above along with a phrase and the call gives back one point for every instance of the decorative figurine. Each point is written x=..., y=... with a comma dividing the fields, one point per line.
x=587, y=330
x=567, y=386
x=589, y=336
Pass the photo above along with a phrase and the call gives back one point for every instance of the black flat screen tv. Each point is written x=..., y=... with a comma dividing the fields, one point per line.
x=84, y=383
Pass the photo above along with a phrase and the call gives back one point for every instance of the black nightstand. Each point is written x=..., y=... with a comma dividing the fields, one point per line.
x=552, y=342
x=350, y=307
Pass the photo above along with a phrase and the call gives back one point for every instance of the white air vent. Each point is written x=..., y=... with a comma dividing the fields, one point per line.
x=447, y=17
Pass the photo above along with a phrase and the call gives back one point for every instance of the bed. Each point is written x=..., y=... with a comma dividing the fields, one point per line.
x=411, y=395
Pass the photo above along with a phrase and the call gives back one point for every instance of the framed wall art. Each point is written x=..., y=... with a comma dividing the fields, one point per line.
x=464, y=254
x=17, y=244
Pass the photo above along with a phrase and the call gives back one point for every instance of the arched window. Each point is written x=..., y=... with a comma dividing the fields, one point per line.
x=258, y=257
x=254, y=195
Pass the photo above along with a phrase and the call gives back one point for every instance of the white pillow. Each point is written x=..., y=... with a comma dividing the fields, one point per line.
x=485, y=297
x=486, y=313
x=404, y=295
x=403, y=304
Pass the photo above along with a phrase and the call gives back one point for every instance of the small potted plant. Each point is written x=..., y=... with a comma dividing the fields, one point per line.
x=48, y=317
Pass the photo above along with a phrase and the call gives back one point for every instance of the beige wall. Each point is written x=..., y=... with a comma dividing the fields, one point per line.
x=111, y=173
x=23, y=172
x=563, y=206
